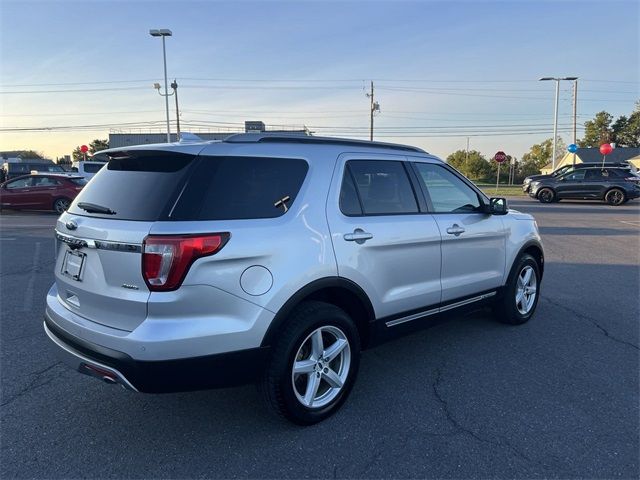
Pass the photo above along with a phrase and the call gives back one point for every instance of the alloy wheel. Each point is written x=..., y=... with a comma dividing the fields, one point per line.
x=615, y=197
x=61, y=205
x=321, y=367
x=526, y=290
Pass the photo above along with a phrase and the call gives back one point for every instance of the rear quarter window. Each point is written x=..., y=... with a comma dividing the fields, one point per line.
x=236, y=188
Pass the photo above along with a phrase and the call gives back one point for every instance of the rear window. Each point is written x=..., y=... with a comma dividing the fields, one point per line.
x=137, y=185
x=92, y=167
x=235, y=188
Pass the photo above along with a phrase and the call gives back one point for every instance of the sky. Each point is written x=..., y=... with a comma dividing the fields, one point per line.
x=444, y=72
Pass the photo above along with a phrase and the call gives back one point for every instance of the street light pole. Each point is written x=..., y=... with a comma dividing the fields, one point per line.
x=555, y=126
x=164, y=32
x=555, y=115
x=575, y=117
x=174, y=86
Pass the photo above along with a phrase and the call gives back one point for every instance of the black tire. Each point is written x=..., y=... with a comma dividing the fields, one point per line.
x=546, y=195
x=61, y=204
x=615, y=197
x=277, y=385
x=506, y=309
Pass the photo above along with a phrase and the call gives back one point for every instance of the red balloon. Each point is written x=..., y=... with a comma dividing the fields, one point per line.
x=85, y=149
x=606, y=149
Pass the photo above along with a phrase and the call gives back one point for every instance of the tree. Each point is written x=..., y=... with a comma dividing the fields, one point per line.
x=97, y=145
x=77, y=154
x=473, y=165
x=539, y=155
x=626, y=131
x=597, y=131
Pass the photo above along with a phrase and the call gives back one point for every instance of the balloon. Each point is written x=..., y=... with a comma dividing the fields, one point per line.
x=606, y=149
x=573, y=148
x=84, y=149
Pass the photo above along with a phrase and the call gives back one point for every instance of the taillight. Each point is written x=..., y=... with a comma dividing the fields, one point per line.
x=166, y=258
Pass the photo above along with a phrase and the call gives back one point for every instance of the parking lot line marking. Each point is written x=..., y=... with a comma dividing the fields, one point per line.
x=7, y=239
x=29, y=291
x=631, y=222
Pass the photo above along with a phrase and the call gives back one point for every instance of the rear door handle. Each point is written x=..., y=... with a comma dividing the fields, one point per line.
x=455, y=229
x=359, y=236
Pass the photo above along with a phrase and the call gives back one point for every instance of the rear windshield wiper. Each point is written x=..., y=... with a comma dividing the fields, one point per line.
x=93, y=208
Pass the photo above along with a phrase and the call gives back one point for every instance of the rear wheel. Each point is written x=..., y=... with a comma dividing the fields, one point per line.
x=521, y=292
x=615, y=196
x=313, y=365
x=546, y=195
x=61, y=205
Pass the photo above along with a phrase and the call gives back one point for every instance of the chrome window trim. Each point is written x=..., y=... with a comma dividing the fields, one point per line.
x=461, y=303
x=77, y=242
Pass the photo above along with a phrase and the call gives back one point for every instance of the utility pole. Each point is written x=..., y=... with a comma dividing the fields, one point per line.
x=374, y=107
x=575, y=116
x=466, y=158
x=174, y=85
x=555, y=114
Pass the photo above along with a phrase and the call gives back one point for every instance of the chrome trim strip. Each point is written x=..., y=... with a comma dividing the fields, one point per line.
x=409, y=318
x=77, y=242
x=467, y=301
x=121, y=378
x=416, y=316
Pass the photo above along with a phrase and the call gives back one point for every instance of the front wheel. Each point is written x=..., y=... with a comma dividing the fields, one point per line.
x=615, y=196
x=546, y=195
x=521, y=293
x=313, y=365
x=61, y=205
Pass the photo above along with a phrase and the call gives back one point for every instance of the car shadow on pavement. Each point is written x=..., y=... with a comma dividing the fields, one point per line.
x=588, y=231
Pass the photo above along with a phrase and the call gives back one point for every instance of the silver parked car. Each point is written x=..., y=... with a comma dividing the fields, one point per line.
x=275, y=259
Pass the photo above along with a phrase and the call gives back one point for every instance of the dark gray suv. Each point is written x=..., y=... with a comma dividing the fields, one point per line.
x=612, y=185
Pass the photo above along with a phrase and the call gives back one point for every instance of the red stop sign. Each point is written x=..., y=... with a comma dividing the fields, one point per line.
x=84, y=149
x=500, y=157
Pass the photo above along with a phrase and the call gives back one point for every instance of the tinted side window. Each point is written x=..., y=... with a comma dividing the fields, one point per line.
x=349, y=202
x=383, y=186
x=45, y=182
x=593, y=174
x=22, y=183
x=577, y=175
x=236, y=188
x=448, y=193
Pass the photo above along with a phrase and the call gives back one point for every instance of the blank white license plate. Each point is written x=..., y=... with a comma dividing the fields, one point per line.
x=72, y=264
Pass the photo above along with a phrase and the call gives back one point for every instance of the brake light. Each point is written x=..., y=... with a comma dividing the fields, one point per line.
x=166, y=259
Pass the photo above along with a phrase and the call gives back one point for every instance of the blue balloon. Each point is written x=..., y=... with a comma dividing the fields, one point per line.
x=573, y=148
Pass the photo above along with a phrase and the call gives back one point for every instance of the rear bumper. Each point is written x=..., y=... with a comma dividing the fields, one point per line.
x=197, y=373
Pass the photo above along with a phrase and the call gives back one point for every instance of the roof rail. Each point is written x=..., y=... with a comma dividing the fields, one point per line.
x=298, y=138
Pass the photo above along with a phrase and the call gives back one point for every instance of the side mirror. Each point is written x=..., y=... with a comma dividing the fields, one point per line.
x=498, y=206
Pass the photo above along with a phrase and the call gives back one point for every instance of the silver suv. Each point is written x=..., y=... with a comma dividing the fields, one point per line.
x=275, y=259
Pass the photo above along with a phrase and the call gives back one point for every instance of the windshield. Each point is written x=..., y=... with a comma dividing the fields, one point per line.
x=561, y=170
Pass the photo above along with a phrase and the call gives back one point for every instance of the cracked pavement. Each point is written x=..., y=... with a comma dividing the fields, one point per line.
x=468, y=398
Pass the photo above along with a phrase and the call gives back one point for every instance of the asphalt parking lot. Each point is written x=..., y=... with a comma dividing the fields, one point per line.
x=470, y=398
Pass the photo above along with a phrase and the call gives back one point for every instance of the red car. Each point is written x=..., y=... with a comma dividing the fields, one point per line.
x=41, y=192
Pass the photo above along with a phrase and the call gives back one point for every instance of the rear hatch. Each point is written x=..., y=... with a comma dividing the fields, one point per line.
x=99, y=239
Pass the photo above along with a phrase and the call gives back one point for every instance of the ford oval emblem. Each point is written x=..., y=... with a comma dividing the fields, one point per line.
x=71, y=225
